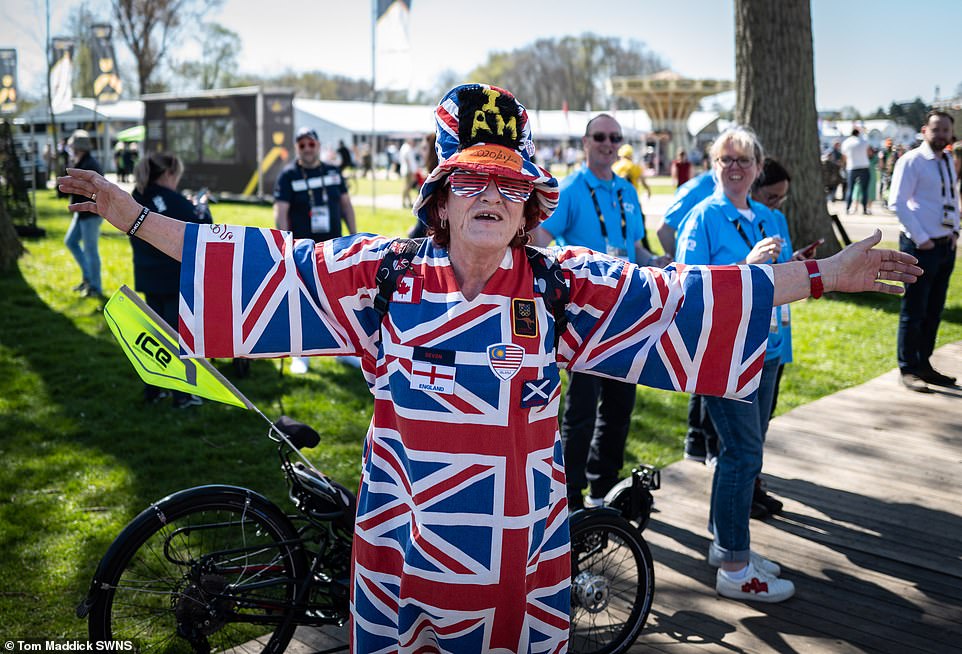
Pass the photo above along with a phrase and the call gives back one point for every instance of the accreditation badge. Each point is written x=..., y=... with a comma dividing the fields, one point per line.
x=320, y=219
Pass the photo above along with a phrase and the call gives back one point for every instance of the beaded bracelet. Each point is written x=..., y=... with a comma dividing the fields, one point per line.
x=137, y=223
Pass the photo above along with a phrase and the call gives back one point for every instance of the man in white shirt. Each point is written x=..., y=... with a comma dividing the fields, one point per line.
x=855, y=151
x=408, y=160
x=924, y=197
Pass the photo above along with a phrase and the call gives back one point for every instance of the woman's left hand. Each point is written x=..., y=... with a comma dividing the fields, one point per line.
x=106, y=198
x=860, y=267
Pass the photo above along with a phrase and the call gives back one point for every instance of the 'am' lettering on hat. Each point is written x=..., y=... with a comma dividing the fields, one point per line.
x=490, y=111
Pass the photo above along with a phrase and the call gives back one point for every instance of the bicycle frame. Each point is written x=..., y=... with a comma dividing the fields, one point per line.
x=324, y=537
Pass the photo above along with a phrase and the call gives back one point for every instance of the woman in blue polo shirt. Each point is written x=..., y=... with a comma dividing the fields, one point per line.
x=730, y=228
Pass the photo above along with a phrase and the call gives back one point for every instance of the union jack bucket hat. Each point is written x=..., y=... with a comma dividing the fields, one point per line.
x=485, y=129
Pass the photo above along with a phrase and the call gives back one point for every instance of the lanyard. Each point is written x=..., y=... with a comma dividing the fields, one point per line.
x=942, y=179
x=310, y=191
x=601, y=217
x=741, y=232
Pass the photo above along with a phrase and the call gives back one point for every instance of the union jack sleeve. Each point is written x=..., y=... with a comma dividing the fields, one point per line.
x=698, y=329
x=256, y=292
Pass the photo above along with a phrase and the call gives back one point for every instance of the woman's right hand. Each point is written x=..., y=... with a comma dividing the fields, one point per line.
x=121, y=210
x=106, y=199
x=765, y=251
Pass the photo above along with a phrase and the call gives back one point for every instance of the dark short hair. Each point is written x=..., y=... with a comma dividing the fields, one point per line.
x=588, y=126
x=855, y=131
x=939, y=113
x=442, y=235
x=772, y=173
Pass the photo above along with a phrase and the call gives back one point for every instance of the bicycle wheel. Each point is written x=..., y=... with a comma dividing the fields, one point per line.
x=208, y=569
x=612, y=584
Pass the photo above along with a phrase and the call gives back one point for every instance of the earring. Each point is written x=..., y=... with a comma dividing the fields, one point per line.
x=521, y=232
x=444, y=223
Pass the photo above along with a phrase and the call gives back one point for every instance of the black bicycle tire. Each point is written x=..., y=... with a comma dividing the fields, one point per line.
x=167, y=512
x=645, y=586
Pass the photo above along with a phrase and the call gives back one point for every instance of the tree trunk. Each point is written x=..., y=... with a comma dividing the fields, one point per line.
x=775, y=83
x=10, y=246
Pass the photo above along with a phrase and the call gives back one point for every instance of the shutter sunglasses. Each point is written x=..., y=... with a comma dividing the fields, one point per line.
x=468, y=184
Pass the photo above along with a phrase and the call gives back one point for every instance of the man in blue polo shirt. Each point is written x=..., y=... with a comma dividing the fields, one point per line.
x=598, y=210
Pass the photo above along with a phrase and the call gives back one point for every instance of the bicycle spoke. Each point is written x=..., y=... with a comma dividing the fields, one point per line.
x=219, y=576
x=611, y=577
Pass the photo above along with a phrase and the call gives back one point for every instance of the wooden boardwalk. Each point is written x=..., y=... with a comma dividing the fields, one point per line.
x=871, y=536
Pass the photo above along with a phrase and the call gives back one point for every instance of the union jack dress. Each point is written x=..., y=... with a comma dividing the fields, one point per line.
x=461, y=542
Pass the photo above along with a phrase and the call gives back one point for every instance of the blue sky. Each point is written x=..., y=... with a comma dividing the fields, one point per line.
x=867, y=53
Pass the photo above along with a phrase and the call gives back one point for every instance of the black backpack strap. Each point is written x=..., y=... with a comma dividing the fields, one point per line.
x=394, y=263
x=550, y=283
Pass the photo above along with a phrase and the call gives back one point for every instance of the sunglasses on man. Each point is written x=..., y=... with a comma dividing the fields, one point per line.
x=468, y=184
x=614, y=137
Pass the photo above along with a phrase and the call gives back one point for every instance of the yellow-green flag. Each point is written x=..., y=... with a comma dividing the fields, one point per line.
x=151, y=345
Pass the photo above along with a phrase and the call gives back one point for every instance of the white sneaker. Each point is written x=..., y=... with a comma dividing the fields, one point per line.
x=594, y=502
x=756, y=586
x=760, y=562
x=299, y=365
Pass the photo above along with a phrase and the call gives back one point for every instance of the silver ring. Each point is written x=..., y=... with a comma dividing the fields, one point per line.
x=93, y=197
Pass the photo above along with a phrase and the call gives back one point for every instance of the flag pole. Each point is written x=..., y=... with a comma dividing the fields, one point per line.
x=52, y=131
x=373, y=106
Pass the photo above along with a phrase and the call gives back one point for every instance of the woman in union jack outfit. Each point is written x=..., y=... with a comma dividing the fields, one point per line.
x=461, y=542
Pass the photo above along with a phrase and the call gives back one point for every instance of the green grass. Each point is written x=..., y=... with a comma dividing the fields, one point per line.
x=82, y=455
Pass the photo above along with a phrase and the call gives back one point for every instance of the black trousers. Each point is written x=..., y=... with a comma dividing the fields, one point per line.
x=594, y=430
x=699, y=424
x=922, y=303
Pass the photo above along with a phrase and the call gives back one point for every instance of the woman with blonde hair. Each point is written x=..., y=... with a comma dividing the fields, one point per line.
x=730, y=228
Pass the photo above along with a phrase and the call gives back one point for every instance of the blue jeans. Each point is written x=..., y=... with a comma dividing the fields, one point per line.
x=741, y=428
x=922, y=304
x=858, y=176
x=81, y=239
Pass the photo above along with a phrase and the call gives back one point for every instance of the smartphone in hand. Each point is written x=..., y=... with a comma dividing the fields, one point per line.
x=808, y=251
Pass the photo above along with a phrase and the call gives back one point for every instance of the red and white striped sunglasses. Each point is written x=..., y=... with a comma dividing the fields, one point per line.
x=467, y=184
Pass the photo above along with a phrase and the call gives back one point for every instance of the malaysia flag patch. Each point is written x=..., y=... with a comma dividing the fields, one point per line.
x=505, y=359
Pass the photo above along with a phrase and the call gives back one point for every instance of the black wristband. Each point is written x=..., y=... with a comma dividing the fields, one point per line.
x=137, y=223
